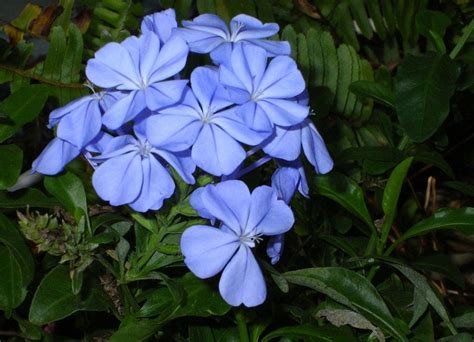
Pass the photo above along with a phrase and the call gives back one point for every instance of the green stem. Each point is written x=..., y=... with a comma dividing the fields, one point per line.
x=467, y=33
x=242, y=326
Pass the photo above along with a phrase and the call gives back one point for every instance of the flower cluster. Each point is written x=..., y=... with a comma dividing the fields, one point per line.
x=145, y=119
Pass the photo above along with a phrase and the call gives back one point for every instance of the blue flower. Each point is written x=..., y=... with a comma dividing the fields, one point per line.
x=80, y=121
x=55, y=156
x=204, y=121
x=132, y=172
x=265, y=94
x=245, y=218
x=209, y=33
x=140, y=67
x=286, y=144
x=161, y=23
x=285, y=180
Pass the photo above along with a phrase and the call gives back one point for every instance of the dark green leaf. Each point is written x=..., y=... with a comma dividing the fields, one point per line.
x=462, y=337
x=327, y=333
x=200, y=300
x=11, y=159
x=390, y=197
x=68, y=189
x=198, y=333
x=352, y=290
x=466, y=320
x=425, y=85
x=465, y=188
x=462, y=219
x=12, y=285
x=434, y=158
x=30, y=197
x=424, y=330
x=10, y=236
x=435, y=21
x=379, y=92
x=54, y=299
x=346, y=192
x=442, y=264
x=424, y=288
x=22, y=107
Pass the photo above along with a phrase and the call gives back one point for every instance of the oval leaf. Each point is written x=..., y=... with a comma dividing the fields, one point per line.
x=424, y=86
x=352, y=290
x=12, y=285
x=68, y=189
x=11, y=159
x=346, y=192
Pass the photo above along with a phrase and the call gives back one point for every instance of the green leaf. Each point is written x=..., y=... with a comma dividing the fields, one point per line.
x=325, y=333
x=352, y=290
x=200, y=300
x=422, y=285
x=11, y=159
x=390, y=197
x=68, y=189
x=424, y=330
x=22, y=107
x=54, y=299
x=379, y=92
x=435, y=21
x=424, y=87
x=11, y=237
x=462, y=219
x=434, y=158
x=465, y=188
x=30, y=197
x=198, y=333
x=442, y=264
x=465, y=320
x=12, y=286
x=346, y=192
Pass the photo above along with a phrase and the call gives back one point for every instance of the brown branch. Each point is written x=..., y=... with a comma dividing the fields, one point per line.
x=26, y=74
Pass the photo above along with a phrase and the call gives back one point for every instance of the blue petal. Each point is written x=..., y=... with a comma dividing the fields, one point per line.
x=209, y=23
x=76, y=105
x=285, y=143
x=113, y=67
x=248, y=65
x=119, y=180
x=283, y=112
x=282, y=79
x=221, y=53
x=217, y=152
x=166, y=93
x=272, y=47
x=275, y=248
x=80, y=127
x=229, y=202
x=285, y=181
x=54, y=157
x=198, y=41
x=242, y=280
x=149, y=50
x=124, y=110
x=269, y=215
x=255, y=117
x=207, y=250
x=157, y=186
x=315, y=149
x=181, y=162
x=99, y=143
x=170, y=61
x=233, y=125
x=206, y=86
x=237, y=91
x=247, y=27
x=173, y=132
x=161, y=24
x=196, y=202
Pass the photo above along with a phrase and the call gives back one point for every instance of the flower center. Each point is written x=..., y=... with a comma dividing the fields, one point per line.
x=207, y=115
x=250, y=240
x=236, y=29
x=145, y=150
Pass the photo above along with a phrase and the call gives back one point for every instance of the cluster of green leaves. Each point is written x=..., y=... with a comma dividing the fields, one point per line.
x=391, y=84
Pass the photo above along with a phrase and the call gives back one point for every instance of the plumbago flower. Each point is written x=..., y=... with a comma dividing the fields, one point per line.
x=208, y=33
x=245, y=217
x=145, y=120
x=264, y=93
x=204, y=121
x=141, y=67
x=131, y=172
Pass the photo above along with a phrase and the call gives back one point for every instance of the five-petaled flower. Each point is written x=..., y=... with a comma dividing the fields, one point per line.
x=245, y=217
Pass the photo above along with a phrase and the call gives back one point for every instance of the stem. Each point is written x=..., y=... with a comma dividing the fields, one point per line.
x=242, y=326
x=252, y=167
x=467, y=33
